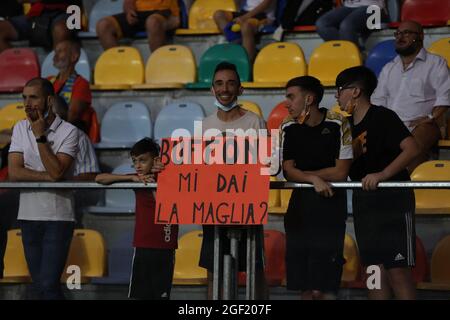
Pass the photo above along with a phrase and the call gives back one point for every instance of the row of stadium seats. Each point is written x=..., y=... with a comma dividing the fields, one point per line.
x=174, y=66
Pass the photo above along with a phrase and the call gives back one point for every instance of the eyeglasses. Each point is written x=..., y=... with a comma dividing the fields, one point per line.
x=404, y=32
x=340, y=89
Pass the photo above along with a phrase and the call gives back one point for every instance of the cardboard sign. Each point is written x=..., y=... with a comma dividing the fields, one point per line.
x=205, y=193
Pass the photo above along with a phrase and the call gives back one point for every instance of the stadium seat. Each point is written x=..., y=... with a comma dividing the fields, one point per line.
x=277, y=115
x=274, y=197
x=276, y=64
x=432, y=201
x=82, y=67
x=200, y=18
x=169, y=66
x=118, y=69
x=429, y=13
x=17, y=66
x=123, y=124
x=16, y=268
x=88, y=252
x=420, y=271
x=101, y=9
x=213, y=56
x=351, y=272
x=11, y=114
x=379, y=55
x=177, y=115
x=285, y=196
x=117, y=201
x=440, y=266
x=187, y=271
x=441, y=47
x=251, y=106
x=332, y=57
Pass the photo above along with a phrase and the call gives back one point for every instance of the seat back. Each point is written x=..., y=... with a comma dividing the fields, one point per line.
x=352, y=268
x=169, y=64
x=119, y=66
x=381, y=54
x=11, y=114
x=441, y=47
x=274, y=251
x=103, y=8
x=17, y=66
x=251, y=106
x=279, y=62
x=432, y=200
x=187, y=256
x=421, y=270
x=277, y=115
x=124, y=123
x=202, y=11
x=177, y=115
x=82, y=67
x=440, y=262
x=332, y=57
x=14, y=259
x=429, y=13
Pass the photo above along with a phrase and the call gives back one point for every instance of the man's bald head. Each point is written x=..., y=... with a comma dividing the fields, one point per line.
x=411, y=25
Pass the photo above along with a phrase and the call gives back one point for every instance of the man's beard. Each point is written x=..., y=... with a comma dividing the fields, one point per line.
x=408, y=50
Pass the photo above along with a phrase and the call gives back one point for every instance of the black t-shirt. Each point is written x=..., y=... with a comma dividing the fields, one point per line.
x=380, y=132
x=315, y=148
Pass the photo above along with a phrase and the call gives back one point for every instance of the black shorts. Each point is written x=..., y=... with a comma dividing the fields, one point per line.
x=385, y=227
x=315, y=232
x=128, y=30
x=22, y=24
x=152, y=274
x=259, y=16
x=207, y=251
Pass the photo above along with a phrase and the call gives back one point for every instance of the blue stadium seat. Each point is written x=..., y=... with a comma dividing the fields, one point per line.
x=101, y=9
x=82, y=67
x=123, y=124
x=381, y=54
x=177, y=115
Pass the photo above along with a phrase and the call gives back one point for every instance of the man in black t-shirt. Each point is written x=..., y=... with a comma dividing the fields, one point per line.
x=317, y=147
x=383, y=219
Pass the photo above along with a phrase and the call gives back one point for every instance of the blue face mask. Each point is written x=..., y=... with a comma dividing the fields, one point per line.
x=226, y=108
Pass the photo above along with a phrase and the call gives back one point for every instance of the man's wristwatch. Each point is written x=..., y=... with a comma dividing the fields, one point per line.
x=42, y=139
x=430, y=116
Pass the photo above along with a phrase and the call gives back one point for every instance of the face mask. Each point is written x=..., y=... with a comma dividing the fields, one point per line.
x=305, y=114
x=226, y=108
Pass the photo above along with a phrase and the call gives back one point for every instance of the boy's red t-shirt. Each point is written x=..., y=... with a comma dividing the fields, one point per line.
x=148, y=234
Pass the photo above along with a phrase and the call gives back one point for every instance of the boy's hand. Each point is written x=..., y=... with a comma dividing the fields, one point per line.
x=157, y=165
x=146, y=178
x=370, y=181
x=322, y=187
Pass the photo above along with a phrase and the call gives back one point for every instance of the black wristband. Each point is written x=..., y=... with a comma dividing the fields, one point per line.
x=41, y=139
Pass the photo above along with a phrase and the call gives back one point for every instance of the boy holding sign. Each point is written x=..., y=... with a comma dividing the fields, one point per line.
x=155, y=244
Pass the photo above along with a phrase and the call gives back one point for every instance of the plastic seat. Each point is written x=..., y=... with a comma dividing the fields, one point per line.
x=82, y=67
x=123, y=124
x=169, y=67
x=352, y=267
x=332, y=57
x=276, y=64
x=101, y=9
x=274, y=197
x=277, y=115
x=251, y=106
x=285, y=196
x=432, y=201
x=11, y=114
x=201, y=19
x=420, y=272
x=177, y=115
x=16, y=268
x=429, y=13
x=118, y=69
x=381, y=54
x=187, y=256
x=17, y=67
x=441, y=47
x=232, y=53
x=440, y=266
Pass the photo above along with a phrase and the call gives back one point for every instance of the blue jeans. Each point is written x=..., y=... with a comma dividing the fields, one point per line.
x=46, y=245
x=343, y=23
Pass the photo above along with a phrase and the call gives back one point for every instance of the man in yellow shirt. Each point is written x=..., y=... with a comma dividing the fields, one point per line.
x=156, y=17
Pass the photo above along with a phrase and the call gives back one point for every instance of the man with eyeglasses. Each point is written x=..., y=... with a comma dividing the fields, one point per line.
x=416, y=85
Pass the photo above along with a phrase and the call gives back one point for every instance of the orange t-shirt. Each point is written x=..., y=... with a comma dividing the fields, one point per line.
x=150, y=5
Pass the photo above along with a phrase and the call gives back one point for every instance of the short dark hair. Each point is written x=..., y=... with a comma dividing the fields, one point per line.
x=143, y=146
x=360, y=76
x=310, y=84
x=60, y=107
x=45, y=85
x=225, y=65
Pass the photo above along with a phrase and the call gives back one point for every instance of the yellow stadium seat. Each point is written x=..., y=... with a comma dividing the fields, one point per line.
x=351, y=270
x=118, y=69
x=10, y=114
x=187, y=271
x=432, y=201
x=16, y=268
x=169, y=66
x=251, y=106
x=201, y=19
x=87, y=251
x=274, y=197
x=276, y=64
x=441, y=47
x=332, y=57
x=285, y=196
